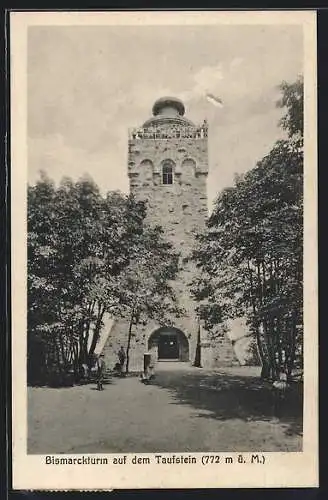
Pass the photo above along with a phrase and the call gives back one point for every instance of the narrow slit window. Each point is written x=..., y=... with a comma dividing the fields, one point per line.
x=167, y=174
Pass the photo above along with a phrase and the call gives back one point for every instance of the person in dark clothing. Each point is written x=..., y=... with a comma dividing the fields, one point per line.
x=101, y=367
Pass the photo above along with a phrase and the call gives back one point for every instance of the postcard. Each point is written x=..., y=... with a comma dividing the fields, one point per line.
x=164, y=243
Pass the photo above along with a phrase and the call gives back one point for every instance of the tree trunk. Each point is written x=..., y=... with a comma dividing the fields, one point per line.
x=80, y=342
x=292, y=347
x=266, y=366
x=260, y=350
x=63, y=350
x=270, y=349
x=198, y=349
x=96, y=332
x=76, y=358
x=129, y=342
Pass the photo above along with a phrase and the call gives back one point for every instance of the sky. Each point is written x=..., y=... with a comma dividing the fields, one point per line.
x=88, y=84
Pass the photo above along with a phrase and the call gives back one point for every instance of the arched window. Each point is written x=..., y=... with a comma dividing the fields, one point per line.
x=188, y=168
x=167, y=173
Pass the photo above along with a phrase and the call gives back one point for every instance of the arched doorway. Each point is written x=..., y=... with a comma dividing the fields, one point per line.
x=169, y=343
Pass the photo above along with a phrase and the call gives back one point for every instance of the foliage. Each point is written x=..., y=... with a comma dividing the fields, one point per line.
x=251, y=254
x=292, y=100
x=78, y=244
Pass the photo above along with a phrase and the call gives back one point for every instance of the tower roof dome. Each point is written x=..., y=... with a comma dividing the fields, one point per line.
x=171, y=103
x=168, y=110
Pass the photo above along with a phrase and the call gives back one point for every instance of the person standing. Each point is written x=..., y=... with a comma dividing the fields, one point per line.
x=101, y=367
x=280, y=388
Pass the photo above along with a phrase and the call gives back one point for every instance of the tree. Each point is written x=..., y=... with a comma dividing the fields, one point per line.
x=78, y=243
x=292, y=100
x=251, y=255
x=41, y=291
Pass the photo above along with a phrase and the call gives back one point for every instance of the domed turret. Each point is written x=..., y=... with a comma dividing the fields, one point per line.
x=168, y=106
x=168, y=110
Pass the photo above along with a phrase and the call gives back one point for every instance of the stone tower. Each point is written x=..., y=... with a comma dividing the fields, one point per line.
x=167, y=168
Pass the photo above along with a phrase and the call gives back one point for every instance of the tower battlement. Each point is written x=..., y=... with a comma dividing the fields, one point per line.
x=169, y=131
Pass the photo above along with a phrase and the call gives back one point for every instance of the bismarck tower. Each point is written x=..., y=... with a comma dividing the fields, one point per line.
x=167, y=168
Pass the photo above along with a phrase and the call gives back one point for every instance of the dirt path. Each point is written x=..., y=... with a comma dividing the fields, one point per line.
x=184, y=410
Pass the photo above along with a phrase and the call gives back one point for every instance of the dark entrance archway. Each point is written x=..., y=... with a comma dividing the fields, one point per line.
x=169, y=343
x=168, y=347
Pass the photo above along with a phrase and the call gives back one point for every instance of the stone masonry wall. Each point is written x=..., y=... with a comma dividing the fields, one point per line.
x=180, y=208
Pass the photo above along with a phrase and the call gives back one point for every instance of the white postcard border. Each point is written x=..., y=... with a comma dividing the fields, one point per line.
x=278, y=469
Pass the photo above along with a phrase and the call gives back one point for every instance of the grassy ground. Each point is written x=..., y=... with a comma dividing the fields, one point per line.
x=185, y=409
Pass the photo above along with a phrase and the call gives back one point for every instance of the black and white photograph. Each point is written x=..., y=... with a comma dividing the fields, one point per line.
x=162, y=223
